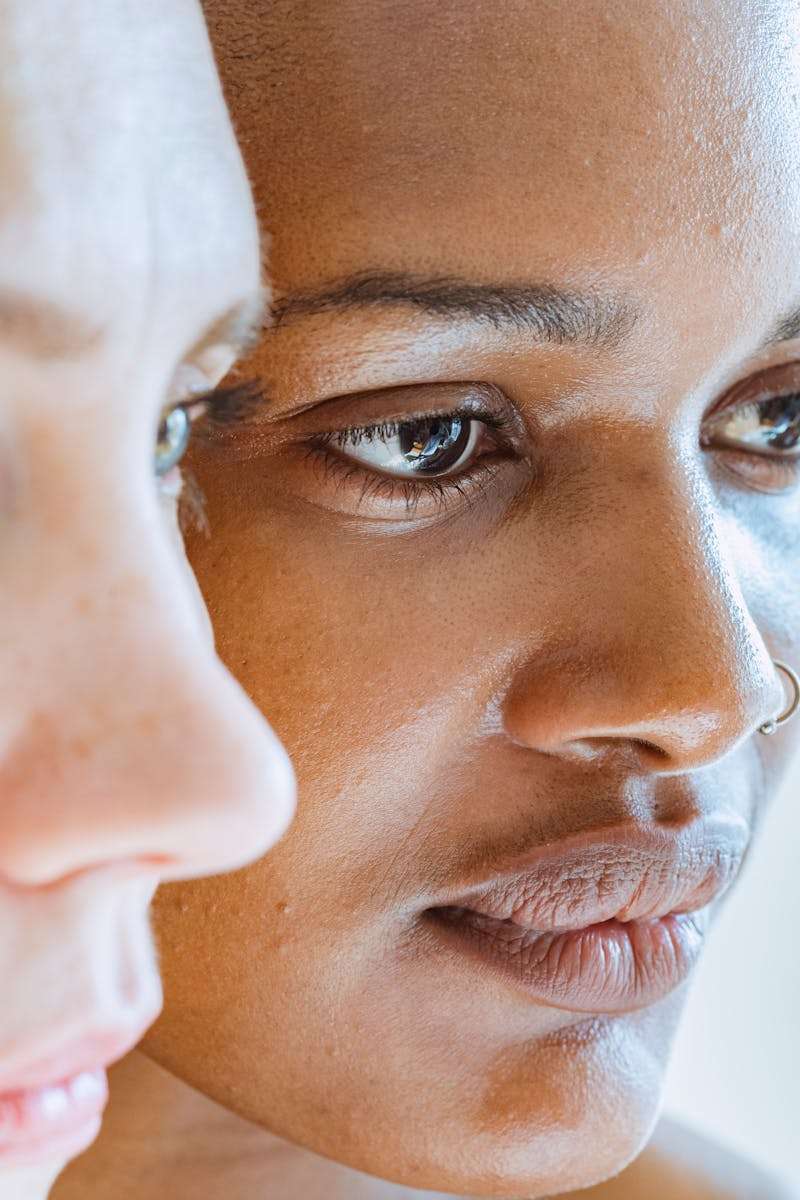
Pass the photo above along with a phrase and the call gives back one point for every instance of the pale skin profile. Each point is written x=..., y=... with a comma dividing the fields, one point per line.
x=506, y=549
x=130, y=273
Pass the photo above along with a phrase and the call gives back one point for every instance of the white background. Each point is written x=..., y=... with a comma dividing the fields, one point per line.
x=736, y=1069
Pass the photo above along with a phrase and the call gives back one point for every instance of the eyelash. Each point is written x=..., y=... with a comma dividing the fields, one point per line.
x=225, y=407
x=468, y=484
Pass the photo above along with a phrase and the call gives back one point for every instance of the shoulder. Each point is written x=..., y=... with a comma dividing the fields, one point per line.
x=682, y=1164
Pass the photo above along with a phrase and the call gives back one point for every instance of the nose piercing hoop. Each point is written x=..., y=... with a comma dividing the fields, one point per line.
x=794, y=704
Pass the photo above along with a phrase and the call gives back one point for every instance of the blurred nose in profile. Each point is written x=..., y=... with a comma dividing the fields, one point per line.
x=123, y=737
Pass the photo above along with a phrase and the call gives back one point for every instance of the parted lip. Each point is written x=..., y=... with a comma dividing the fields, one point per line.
x=628, y=872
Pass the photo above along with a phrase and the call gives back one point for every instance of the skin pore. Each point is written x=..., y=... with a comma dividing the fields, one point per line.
x=575, y=224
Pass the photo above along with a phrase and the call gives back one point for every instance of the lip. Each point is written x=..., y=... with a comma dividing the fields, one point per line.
x=57, y=1119
x=52, y=1108
x=605, y=921
x=609, y=967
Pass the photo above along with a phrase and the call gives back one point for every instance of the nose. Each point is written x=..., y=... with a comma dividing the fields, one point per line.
x=122, y=736
x=656, y=652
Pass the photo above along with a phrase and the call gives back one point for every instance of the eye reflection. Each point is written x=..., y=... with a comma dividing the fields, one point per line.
x=428, y=447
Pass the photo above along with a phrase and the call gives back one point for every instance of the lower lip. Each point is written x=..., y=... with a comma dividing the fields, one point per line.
x=611, y=967
x=52, y=1122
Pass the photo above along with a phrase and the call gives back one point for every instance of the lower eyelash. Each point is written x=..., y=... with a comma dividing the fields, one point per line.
x=468, y=485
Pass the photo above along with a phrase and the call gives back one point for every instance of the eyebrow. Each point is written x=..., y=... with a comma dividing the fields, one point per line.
x=38, y=327
x=785, y=328
x=550, y=313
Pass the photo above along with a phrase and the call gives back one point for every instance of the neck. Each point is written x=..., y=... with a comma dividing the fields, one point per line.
x=162, y=1138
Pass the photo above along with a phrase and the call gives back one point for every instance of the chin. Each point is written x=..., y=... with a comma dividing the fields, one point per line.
x=548, y=1115
x=562, y=1113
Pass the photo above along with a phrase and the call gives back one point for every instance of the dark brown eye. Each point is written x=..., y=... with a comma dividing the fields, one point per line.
x=428, y=447
x=769, y=427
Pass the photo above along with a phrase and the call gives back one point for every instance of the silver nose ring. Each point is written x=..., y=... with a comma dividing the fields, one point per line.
x=794, y=704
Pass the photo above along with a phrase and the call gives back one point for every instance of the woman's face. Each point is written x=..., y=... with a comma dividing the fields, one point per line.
x=505, y=551
x=129, y=264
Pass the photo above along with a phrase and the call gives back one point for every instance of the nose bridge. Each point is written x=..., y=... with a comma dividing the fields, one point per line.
x=124, y=737
x=657, y=645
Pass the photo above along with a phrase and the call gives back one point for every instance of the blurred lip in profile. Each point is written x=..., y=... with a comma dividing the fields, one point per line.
x=60, y=1118
x=602, y=922
x=53, y=1107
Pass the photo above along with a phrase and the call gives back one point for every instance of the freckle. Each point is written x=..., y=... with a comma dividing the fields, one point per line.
x=283, y=907
x=714, y=230
x=84, y=605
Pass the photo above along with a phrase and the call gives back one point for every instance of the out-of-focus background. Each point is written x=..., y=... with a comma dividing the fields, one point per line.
x=735, y=1073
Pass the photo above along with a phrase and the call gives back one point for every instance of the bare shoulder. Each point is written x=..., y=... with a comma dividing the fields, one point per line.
x=682, y=1164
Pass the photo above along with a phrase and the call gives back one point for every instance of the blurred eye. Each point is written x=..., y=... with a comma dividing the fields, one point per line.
x=769, y=427
x=429, y=447
x=172, y=441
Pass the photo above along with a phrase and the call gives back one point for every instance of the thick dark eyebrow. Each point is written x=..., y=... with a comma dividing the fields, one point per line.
x=550, y=313
x=785, y=328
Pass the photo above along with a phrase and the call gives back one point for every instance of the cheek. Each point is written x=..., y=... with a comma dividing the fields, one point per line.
x=333, y=1025
x=359, y=1049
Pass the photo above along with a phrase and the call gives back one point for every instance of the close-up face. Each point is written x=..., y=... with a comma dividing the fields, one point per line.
x=129, y=272
x=505, y=542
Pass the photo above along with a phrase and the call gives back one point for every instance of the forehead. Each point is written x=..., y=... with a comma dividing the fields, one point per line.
x=122, y=194
x=508, y=138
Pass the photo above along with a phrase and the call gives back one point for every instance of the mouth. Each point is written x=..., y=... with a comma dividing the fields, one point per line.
x=602, y=922
x=52, y=1122
x=607, y=967
x=52, y=1109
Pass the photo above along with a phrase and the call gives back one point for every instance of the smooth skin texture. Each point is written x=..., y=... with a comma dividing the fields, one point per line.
x=579, y=636
x=129, y=264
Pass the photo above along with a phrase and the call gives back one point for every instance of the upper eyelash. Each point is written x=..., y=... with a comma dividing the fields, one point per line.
x=437, y=488
x=228, y=404
x=353, y=435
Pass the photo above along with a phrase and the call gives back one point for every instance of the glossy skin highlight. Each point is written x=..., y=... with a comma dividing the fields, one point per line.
x=582, y=641
x=129, y=754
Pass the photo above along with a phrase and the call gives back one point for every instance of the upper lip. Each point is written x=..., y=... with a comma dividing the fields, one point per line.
x=86, y=1054
x=631, y=872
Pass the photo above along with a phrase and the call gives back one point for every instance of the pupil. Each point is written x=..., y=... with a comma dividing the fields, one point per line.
x=785, y=420
x=433, y=445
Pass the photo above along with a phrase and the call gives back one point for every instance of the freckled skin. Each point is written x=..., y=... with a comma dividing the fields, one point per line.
x=584, y=644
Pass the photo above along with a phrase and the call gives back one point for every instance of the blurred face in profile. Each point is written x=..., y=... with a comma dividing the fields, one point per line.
x=505, y=551
x=129, y=276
